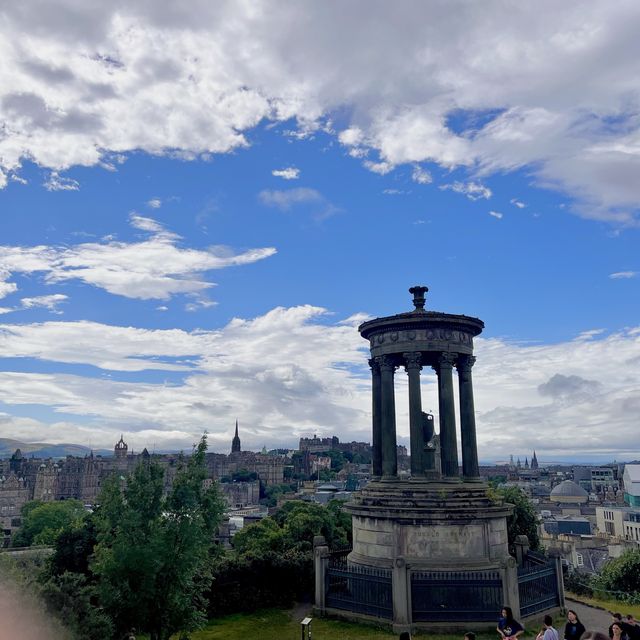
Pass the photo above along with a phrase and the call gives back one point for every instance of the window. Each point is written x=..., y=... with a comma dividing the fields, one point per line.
x=579, y=560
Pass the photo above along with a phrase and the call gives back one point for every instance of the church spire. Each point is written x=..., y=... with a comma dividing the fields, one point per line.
x=534, y=460
x=235, y=443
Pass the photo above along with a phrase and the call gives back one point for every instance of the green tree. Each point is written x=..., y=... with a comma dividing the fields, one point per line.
x=153, y=556
x=622, y=573
x=42, y=522
x=72, y=598
x=293, y=527
x=523, y=521
x=244, y=475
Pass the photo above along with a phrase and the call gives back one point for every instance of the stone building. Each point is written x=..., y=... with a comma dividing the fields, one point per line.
x=13, y=494
x=46, y=484
x=25, y=479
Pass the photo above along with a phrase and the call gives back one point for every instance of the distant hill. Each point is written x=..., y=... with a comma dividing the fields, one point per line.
x=46, y=450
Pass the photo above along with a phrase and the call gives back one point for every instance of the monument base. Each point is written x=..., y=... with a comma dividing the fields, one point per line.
x=429, y=525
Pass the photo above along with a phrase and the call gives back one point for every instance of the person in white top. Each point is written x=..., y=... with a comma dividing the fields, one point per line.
x=548, y=632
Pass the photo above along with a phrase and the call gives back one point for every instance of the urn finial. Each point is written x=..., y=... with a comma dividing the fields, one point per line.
x=418, y=297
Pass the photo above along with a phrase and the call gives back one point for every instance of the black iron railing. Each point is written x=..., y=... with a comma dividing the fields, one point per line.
x=359, y=589
x=537, y=585
x=455, y=595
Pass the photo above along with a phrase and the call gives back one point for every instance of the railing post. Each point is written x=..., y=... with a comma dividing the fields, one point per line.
x=320, y=562
x=521, y=545
x=400, y=593
x=510, y=590
x=556, y=556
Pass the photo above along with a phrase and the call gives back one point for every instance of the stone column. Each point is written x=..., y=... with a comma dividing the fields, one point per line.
x=320, y=562
x=401, y=595
x=413, y=367
x=446, y=405
x=470, y=468
x=376, y=458
x=388, y=417
x=510, y=591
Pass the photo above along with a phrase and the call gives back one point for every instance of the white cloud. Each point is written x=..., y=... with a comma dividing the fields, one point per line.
x=285, y=200
x=155, y=268
x=154, y=203
x=381, y=168
x=7, y=288
x=290, y=173
x=50, y=302
x=623, y=275
x=496, y=214
x=85, y=85
x=56, y=182
x=421, y=176
x=473, y=190
x=253, y=368
x=517, y=203
x=103, y=346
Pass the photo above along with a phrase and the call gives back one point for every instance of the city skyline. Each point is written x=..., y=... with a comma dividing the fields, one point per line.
x=199, y=209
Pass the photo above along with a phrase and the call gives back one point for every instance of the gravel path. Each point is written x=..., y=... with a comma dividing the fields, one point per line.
x=592, y=618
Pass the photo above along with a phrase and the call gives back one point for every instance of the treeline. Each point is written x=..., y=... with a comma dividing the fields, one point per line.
x=148, y=562
x=619, y=580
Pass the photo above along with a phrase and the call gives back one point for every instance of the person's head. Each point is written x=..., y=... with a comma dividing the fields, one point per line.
x=630, y=618
x=469, y=635
x=405, y=635
x=616, y=628
x=616, y=616
x=548, y=621
x=594, y=635
x=507, y=613
x=572, y=616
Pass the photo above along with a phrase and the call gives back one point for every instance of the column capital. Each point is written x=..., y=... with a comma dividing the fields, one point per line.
x=412, y=360
x=446, y=360
x=375, y=366
x=385, y=363
x=465, y=363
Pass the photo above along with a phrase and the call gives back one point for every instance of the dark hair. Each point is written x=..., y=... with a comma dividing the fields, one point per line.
x=405, y=635
x=594, y=635
x=548, y=620
x=574, y=613
x=619, y=625
x=629, y=616
x=470, y=635
x=509, y=612
x=617, y=616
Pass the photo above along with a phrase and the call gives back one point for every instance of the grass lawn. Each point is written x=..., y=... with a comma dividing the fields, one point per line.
x=609, y=605
x=275, y=624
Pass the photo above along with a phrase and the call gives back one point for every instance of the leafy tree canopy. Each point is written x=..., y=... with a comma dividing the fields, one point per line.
x=622, y=573
x=293, y=527
x=42, y=522
x=153, y=557
x=523, y=521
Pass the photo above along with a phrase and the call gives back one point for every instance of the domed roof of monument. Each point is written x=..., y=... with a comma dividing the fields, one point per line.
x=568, y=491
x=420, y=318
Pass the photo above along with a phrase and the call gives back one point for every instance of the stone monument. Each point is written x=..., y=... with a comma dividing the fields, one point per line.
x=437, y=537
x=435, y=518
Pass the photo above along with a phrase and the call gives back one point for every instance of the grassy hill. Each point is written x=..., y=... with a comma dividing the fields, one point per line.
x=45, y=450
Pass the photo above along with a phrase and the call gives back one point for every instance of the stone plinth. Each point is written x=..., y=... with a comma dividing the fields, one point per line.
x=430, y=525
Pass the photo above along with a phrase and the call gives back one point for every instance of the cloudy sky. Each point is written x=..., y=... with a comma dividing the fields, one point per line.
x=201, y=201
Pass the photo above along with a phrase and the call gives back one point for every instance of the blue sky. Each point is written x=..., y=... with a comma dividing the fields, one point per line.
x=200, y=207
